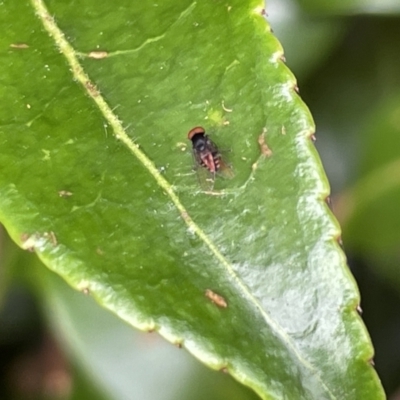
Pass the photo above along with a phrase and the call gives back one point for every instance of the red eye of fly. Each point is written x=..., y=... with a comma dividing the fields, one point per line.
x=196, y=130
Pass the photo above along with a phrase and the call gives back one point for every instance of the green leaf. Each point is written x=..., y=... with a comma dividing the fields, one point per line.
x=98, y=100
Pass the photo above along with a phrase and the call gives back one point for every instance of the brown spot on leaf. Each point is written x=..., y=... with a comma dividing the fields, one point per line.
x=19, y=46
x=265, y=150
x=216, y=298
x=91, y=87
x=98, y=55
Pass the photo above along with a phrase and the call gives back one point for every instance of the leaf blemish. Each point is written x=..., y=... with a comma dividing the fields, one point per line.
x=216, y=117
x=260, y=10
x=34, y=241
x=46, y=156
x=52, y=237
x=84, y=286
x=28, y=242
x=226, y=109
x=216, y=298
x=98, y=55
x=65, y=193
x=91, y=87
x=184, y=215
x=19, y=46
x=265, y=150
x=182, y=146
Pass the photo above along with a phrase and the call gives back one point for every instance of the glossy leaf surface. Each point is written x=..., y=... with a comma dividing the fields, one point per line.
x=97, y=179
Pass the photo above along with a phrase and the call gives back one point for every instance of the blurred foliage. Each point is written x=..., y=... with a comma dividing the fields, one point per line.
x=349, y=77
x=349, y=7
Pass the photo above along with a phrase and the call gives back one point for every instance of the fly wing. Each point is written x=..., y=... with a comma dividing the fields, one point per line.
x=205, y=177
x=225, y=170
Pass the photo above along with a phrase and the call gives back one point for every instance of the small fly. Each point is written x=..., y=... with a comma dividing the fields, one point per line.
x=208, y=158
